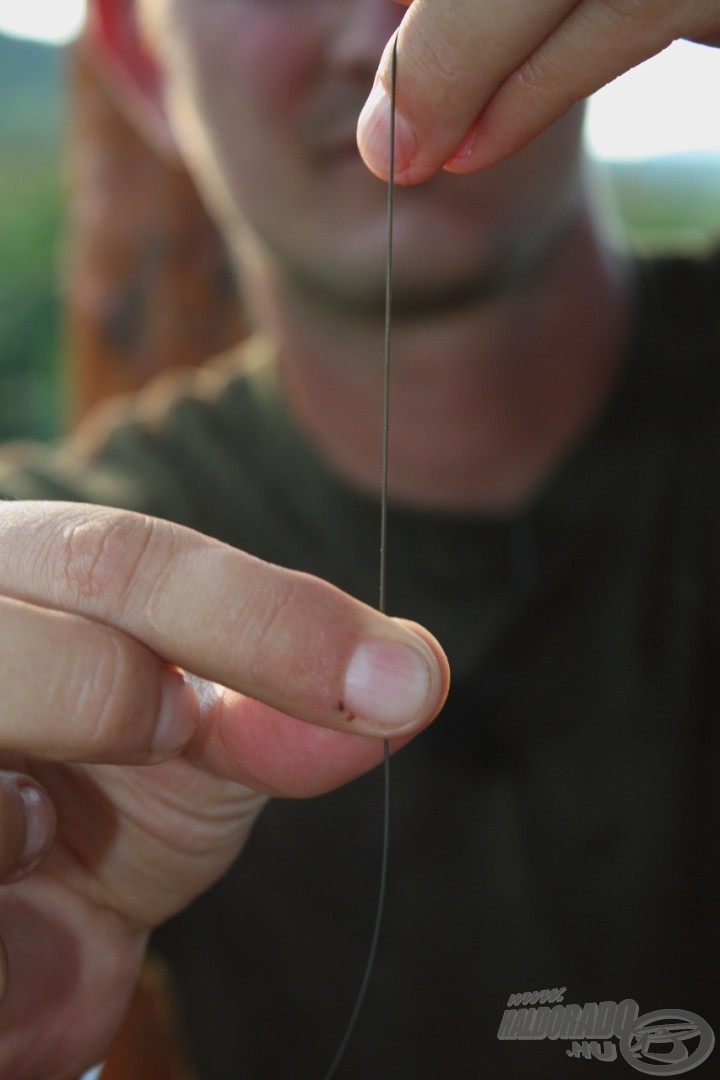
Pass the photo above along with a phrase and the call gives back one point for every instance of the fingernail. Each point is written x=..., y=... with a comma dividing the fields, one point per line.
x=373, y=134
x=39, y=824
x=464, y=152
x=178, y=716
x=388, y=683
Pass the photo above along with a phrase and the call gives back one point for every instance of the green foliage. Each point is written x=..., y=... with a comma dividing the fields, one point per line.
x=30, y=224
x=667, y=204
x=30, y=230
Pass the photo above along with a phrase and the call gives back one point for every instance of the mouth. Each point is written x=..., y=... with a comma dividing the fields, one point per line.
x=330, y=127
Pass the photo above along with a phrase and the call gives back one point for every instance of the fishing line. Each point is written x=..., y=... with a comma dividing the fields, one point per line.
x=383, y=579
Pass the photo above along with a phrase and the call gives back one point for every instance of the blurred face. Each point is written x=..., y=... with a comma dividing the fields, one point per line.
x=264, y=97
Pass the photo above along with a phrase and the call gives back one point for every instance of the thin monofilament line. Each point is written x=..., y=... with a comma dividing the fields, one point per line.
x=383, y=578
x=386, y=349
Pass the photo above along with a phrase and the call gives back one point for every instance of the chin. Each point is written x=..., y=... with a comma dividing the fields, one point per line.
x=437, y=279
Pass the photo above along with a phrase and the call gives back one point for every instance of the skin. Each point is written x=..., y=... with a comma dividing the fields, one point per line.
x=103, y=605
x=98, y=602
x=502, y=272
x=480, y=79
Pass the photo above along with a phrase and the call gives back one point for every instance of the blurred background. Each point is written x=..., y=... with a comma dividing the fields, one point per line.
x=653, y=137
x=31, y=122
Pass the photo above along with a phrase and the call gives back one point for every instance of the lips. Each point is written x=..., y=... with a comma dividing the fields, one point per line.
x=340, y=153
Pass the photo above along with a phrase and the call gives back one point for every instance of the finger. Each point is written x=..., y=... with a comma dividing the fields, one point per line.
x=76, y=690
x=271, y=752
x=284, y=638
x=478, y=80
x=595, y=43
x=266, y=750
x=451, y=60
x=27, y=827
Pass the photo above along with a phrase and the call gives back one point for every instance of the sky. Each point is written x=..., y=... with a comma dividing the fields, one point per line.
x=667, y=105
x=47, y=20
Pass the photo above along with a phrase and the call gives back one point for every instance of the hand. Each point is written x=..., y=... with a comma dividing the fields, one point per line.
x=126, y=787
x=478, y=79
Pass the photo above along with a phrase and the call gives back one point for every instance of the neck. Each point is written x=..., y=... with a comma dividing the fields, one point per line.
x=486, y=398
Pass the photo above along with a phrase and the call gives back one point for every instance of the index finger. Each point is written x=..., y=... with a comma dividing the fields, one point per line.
x=285, y=638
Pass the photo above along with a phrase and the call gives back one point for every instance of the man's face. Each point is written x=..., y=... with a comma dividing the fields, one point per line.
x=264, y=97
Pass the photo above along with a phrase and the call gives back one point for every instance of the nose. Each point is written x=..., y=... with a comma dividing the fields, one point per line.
x=362, y=29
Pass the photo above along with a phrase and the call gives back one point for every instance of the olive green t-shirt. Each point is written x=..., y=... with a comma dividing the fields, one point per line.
x=558, y=826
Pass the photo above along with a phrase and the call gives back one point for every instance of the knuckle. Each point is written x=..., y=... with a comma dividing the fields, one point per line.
x=636, y=11
x=99, y=557
x=538, y=76
x=624, y=9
